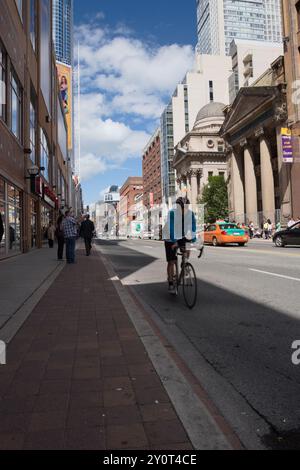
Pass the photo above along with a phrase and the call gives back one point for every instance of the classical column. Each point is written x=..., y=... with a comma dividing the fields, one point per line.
x=179, y=186
x=188, y=187
x=267, y=177
x=194, y=187
x=237, y=186
x=250, y=186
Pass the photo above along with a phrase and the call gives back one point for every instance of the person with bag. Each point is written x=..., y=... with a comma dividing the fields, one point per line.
x=59, y=234
x=51, y=235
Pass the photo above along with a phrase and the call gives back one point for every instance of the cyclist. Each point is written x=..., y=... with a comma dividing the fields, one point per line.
x=179, y=230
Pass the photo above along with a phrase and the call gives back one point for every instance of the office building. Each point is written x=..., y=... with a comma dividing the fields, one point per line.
x=250, y=59
x=63, y=30
x=222, y=21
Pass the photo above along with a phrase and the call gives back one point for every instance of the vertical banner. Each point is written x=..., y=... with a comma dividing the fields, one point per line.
x=65, y=86
x=287, y=145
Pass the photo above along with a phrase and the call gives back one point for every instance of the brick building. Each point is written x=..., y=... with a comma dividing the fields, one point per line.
x=128, y=193
x=152, y=172
x=34, y=167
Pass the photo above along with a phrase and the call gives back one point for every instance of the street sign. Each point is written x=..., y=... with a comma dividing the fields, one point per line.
x=287, y=145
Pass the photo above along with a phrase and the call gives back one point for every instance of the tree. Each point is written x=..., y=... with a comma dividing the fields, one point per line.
x=215, y=199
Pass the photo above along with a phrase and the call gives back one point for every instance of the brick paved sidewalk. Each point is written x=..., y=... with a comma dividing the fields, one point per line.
x=79, y=377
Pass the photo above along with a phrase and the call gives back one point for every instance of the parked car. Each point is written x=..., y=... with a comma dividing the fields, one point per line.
x=147, y=235
x=224, y=234
x=290, y=236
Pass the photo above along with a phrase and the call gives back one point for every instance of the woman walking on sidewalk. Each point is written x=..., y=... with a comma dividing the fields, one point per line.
x=51, y=235
x=59, y=233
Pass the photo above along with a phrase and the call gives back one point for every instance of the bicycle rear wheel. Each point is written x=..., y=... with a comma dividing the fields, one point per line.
x=190, y=288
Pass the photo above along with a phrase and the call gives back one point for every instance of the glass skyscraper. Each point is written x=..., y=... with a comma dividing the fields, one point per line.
x=63, y=30
x=222, y=21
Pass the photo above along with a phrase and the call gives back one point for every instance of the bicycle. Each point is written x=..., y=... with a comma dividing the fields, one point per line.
x=187, y=278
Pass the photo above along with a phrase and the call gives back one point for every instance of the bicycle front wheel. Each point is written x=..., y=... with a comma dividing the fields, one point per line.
x=190, y=288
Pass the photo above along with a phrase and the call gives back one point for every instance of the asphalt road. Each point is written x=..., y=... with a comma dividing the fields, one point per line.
x=238, y=339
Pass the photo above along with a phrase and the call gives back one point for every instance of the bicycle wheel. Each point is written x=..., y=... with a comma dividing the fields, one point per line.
x=190, y=288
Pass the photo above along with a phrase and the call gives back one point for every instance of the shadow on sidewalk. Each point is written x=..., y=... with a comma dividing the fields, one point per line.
x=248, y=343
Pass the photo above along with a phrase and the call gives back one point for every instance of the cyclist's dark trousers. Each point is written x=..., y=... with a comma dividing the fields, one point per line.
x=88, y=245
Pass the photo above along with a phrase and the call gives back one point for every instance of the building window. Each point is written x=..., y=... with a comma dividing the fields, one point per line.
x=33, y=23
x=211, y=90
x=2, y=84
x=15, y=106
x=19, y=4
x=44, y=154
x=32, y=118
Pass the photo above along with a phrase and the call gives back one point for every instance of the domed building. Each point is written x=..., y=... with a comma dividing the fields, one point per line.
x=201, y=153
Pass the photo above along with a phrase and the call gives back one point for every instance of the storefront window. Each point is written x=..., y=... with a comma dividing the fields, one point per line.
x=45, y=220
x=33, y=223
x=14, y=218
x=11, y=219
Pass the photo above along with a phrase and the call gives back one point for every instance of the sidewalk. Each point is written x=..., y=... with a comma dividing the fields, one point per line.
x=79, y=377
x=21, y=277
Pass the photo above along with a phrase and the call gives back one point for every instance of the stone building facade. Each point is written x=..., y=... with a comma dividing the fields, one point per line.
x=259, y=180
x=33, y=134
x=201, y=153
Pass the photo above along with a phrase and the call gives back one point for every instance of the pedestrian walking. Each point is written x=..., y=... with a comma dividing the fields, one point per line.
x=59, y=233
x=251, y=230
x=270, y=229
x=69, y=226
x=51, y=235
x=266, y=230
x=87, y=231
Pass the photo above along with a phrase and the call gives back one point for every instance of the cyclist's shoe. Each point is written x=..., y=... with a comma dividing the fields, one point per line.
x=172, y=289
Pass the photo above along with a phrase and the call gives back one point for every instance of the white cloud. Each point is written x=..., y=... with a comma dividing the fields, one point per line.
x=124, y=77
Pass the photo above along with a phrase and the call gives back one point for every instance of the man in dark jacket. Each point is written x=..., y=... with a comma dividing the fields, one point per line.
x=87, y=231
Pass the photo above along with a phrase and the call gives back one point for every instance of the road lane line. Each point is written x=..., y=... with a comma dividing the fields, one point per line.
x=276, y=275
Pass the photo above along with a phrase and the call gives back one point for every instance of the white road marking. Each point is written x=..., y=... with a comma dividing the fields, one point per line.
x=276, y=275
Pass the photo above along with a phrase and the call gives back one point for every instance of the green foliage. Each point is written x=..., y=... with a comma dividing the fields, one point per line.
x=215, y=199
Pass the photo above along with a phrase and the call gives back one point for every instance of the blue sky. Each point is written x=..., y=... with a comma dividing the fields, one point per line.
x=133, y=53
